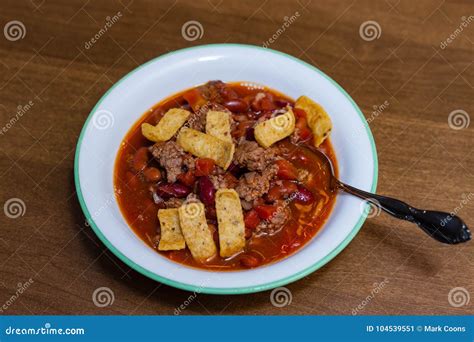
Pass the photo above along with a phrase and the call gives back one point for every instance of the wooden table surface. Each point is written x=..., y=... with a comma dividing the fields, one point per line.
x=50, y=80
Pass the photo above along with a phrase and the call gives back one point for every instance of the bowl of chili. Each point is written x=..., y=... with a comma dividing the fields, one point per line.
x=149, y=155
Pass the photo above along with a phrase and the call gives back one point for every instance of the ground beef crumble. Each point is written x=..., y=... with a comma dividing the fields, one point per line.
x=172, y=158
x=173, y=202
x=223, y=181
x=249, y=154
x=212, y=91
x=197, y=120
x=255, y=184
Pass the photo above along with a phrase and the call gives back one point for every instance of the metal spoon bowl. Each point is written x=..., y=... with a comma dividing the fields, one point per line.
x=442, y=226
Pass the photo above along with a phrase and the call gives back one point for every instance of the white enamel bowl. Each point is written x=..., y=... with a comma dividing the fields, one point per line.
x=163, y=76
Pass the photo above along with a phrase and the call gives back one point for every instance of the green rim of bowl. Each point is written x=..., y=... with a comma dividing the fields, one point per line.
x=237, y=290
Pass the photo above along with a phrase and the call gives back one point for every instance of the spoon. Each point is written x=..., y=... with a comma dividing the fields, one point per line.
x=441, y=226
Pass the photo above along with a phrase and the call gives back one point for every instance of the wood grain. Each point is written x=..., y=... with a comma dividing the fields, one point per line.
x=422, y=160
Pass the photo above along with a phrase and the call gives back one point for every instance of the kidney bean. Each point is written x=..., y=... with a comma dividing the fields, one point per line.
x=157, y=115
x=140, y=159
x=211, y=213
x=235, y=169
x=152, y=174
x=249, y=261
x=236, y=105
x=228, y=93
x=281, y=103
x=157, y=199
x=303, y=195
x=241, y=129
x=206, y=190
x=167, y=190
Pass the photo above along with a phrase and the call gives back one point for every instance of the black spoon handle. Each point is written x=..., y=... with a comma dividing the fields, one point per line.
x=444, y=227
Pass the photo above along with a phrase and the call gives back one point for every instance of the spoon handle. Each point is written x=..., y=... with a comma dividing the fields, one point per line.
x=442, y=226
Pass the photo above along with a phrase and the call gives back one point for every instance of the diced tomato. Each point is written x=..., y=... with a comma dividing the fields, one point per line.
x=194, y=98
x=263, y=102
x=305, y=134
x=204, y=166
x=265, y=212
x=187, y=178
x=274, y=193
x=302, y=129
x=301, y=123
x=278, y=191
x=286, y=170
x=251, y=219
x=299, y=113
x=231, y=180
